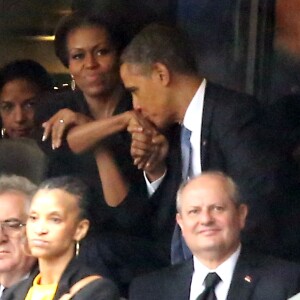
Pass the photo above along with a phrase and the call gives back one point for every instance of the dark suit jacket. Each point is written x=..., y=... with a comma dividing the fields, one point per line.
x=232, y=142
x=99, y=289
x=271, y=279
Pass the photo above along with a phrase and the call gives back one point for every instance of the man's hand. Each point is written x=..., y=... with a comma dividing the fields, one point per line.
x=57, y=125
x=149, y=147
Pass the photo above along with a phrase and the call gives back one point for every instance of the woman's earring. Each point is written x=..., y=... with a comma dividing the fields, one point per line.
x=3, y=131
x=77, y=248
x=73, y=84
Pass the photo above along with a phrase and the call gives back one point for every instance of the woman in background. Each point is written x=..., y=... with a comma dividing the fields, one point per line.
x=20, y=82
x=57, y=222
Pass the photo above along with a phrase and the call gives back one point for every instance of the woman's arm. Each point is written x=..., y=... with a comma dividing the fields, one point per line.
x=93, y=135
x=114, y=185
x=85, y=137
x=59, y=123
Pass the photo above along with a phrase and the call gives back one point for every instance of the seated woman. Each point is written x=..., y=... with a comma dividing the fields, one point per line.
x=20, y=82
x=57, y=222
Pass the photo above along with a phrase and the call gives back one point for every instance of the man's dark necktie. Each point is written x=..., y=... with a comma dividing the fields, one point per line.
x=210, y=282
x=179, y=249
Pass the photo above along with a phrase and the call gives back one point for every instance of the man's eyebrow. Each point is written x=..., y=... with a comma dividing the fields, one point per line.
x=131, y=89
x=11, y=219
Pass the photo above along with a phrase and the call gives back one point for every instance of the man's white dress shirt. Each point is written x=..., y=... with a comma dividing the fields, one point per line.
x=224, y=271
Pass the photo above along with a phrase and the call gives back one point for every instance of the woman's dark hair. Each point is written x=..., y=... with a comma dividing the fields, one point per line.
x=116, y=31
x=29, y=70
x=73, y=186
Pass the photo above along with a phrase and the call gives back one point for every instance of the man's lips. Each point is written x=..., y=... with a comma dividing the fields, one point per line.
x=4, y=252
x=208, y=231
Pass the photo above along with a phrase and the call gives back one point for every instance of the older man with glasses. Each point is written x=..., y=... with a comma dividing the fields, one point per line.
x=15, y=196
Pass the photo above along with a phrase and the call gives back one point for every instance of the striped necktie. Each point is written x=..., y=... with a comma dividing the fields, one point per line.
x=186, y=151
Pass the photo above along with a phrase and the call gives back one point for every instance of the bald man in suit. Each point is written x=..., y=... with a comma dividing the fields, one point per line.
x=211, y=218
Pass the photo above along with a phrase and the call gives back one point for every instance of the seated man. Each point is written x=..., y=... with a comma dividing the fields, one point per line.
x=15, y=197
x=211, y=218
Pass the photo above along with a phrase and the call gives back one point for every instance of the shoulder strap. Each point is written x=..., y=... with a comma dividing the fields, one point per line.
x=75, y=288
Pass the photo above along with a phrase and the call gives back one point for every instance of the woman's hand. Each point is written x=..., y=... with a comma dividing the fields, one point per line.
x=57, y=125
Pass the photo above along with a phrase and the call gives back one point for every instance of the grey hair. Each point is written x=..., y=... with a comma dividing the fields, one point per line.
x=17, y=184
x=230, y=187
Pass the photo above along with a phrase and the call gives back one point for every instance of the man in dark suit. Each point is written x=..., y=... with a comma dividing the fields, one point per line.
x=211, y=218
x=159, y=69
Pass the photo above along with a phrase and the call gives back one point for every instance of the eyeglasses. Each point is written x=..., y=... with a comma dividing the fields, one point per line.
x=11, y=227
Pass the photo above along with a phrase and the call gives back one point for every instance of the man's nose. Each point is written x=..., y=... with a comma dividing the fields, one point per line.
x=3, y=235
x=135, y=104
x=206, y=217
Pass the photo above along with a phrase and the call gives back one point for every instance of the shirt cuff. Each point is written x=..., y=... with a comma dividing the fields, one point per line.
x=153, y=186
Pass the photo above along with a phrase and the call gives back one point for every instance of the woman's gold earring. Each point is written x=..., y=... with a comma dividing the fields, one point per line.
x=3, y=131
x=73, y=84
x=77, y=248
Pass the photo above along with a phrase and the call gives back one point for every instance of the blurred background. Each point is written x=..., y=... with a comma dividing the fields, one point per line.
x=247, y=45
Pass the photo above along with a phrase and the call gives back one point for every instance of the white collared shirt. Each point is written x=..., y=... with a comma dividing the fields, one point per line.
x=224, y=271
x=1, y=290
x=193, y=121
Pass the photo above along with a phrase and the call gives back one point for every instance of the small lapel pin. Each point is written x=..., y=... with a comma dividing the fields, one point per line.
x=248, y=278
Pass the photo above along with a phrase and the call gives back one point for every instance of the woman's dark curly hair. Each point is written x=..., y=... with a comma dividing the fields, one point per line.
x=116, y=31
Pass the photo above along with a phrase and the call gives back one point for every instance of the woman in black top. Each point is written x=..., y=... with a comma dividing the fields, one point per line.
x=86, y=129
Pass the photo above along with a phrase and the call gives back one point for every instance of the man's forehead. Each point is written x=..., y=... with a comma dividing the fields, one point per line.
x=12, y=200
x=206, y=189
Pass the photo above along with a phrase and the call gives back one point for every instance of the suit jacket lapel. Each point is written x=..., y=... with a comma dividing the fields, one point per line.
x=20, y=292
x=244, y=278
x=208, y=107
x=182, y=282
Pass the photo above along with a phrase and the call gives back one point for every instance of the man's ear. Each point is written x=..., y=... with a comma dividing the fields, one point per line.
x=243, y=212
x=81, y=230
x=179, y=220
x=161, y=73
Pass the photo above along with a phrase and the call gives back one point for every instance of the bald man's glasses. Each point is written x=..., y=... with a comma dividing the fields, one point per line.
x=11, y=227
